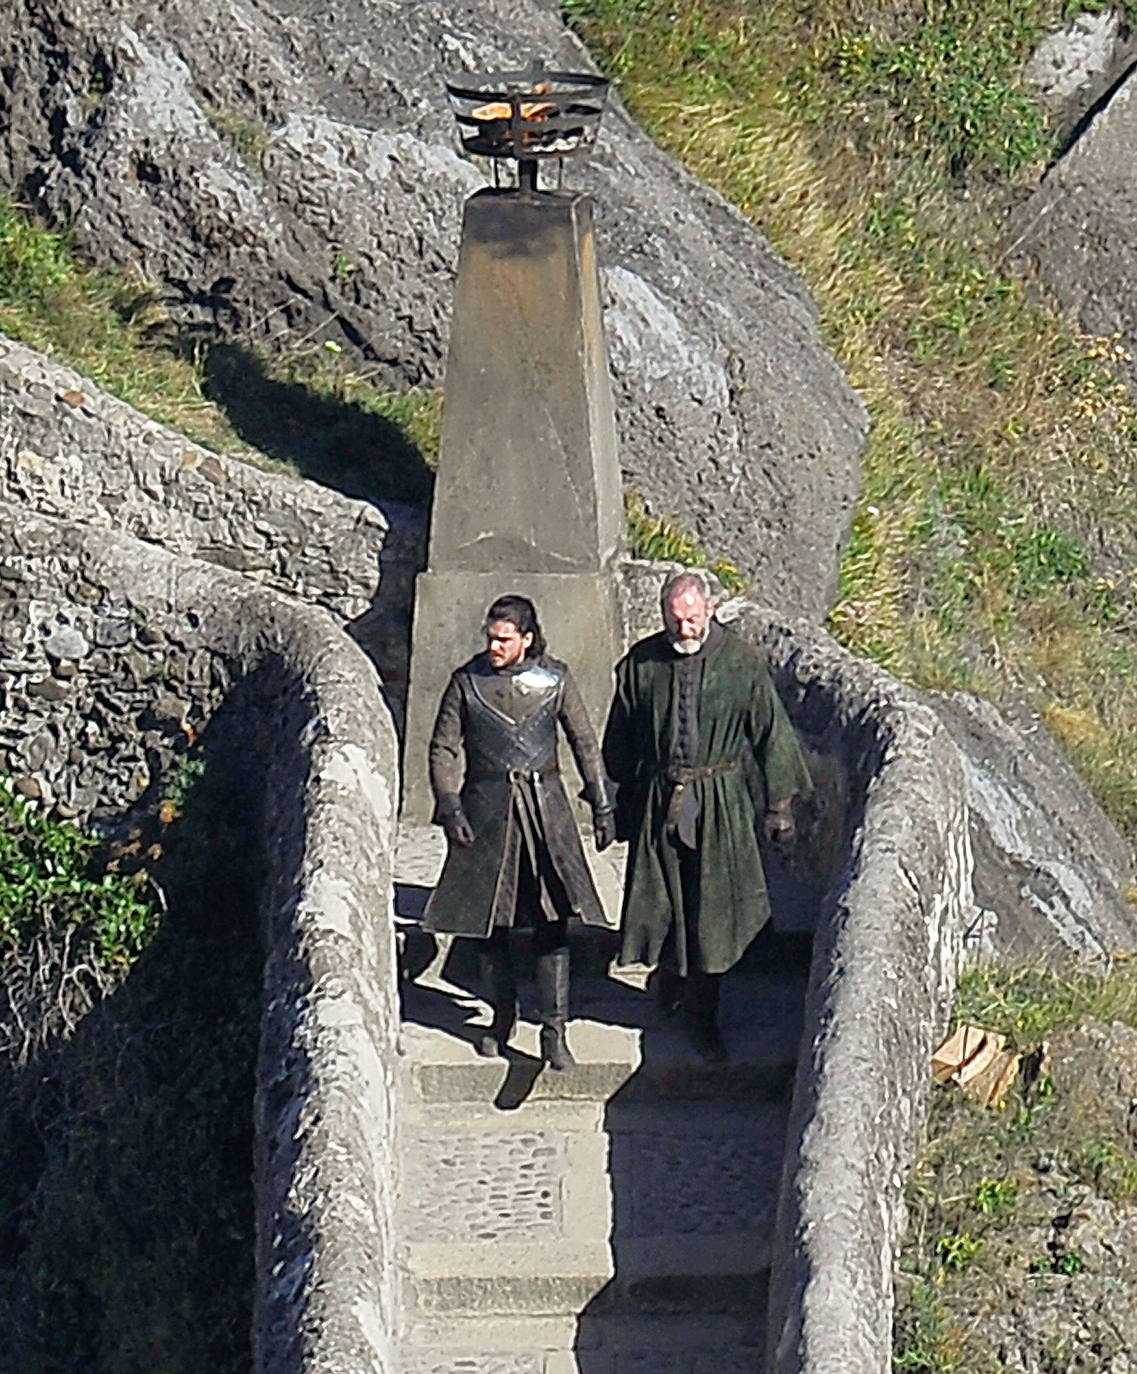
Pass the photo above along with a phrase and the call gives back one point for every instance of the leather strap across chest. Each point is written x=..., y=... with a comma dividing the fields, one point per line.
x=497, y=744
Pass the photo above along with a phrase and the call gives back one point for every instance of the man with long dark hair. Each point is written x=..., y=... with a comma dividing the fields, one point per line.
x=513, y=853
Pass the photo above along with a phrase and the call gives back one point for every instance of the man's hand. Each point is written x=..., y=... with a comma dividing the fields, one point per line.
x=453, y=820
x=778, y=825
x=603, y=828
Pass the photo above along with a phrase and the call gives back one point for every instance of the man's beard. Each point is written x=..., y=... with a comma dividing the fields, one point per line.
x=689, y=646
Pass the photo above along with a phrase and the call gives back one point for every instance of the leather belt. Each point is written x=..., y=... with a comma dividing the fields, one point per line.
x=513, y=775
x=680, y=775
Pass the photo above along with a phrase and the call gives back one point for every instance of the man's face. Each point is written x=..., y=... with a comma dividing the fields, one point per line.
x=687, y=616
x=505, y=644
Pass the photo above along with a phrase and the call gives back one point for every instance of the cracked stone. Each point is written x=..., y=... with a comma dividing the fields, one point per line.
x=111, y=632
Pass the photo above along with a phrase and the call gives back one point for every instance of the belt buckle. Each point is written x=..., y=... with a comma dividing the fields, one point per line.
x=671, y=819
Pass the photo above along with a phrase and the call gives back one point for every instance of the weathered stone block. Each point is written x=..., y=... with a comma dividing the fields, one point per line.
x=528, y=478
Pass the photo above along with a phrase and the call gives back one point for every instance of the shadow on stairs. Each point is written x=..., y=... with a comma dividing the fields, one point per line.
x=615, y=1218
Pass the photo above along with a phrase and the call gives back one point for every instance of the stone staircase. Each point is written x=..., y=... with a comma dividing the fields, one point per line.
x=612, y=1219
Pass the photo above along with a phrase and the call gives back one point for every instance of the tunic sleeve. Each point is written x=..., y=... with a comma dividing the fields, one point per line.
x=446, y=754
x=775, y=744
x=619, y=758
x=573, y=717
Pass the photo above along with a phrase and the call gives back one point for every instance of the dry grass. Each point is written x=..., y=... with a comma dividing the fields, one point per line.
x=865, y=141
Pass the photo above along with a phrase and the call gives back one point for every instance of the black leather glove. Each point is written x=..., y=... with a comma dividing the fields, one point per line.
x=778, y=824
x=603, y=828
x=453, y=820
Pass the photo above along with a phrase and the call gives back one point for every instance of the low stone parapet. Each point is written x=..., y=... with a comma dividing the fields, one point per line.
x=326, y=1160
x=71, y=450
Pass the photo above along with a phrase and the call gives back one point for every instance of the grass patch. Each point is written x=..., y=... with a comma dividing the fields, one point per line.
x=247, y=137
x=54, y=875
x=1027, y=1003
x=993, y=546
x=305, y=413
x=664, y=540
x=314, y=418
x=991, y=1198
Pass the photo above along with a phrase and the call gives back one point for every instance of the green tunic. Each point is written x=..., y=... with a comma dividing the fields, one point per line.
x=739, y=714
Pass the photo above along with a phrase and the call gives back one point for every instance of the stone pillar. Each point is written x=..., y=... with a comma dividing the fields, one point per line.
x=528, y=497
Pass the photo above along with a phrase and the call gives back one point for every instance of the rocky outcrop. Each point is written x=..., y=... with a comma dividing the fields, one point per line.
x=326, y=1161
x=1077, y=234
x=1051, y=869
x=1073, y=69
x=286, y=170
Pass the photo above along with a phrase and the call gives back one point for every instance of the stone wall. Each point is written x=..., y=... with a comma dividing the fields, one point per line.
x=69, y=449
x=95, y=624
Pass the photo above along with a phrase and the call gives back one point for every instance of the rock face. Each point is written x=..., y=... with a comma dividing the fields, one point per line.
x=1095, y=1065
x=284, y=169
x=1050, y=867
x=1077, y=235
x=1074, y=68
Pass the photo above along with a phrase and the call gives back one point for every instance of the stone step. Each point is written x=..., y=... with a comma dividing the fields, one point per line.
x=713, y=1274
x=589, y=1344
x=663, y=1207
x=611, y=1060
x=774, y=954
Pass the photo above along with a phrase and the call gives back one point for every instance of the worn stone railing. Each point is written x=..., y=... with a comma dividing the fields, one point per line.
x=71, y=450
x=888, y=948
x=90, y=618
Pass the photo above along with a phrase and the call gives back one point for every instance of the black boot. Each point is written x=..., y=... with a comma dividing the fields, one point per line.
x=702, y=1016
x=552, y=1007
x=706, y=1040
x=499, y=988
x=670, y=992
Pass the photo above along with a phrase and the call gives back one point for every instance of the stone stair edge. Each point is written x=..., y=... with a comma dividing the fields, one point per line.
x=584, y=1331
x=694, y=1255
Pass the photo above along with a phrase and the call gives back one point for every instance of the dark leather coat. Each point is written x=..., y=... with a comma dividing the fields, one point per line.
x=495, y=745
